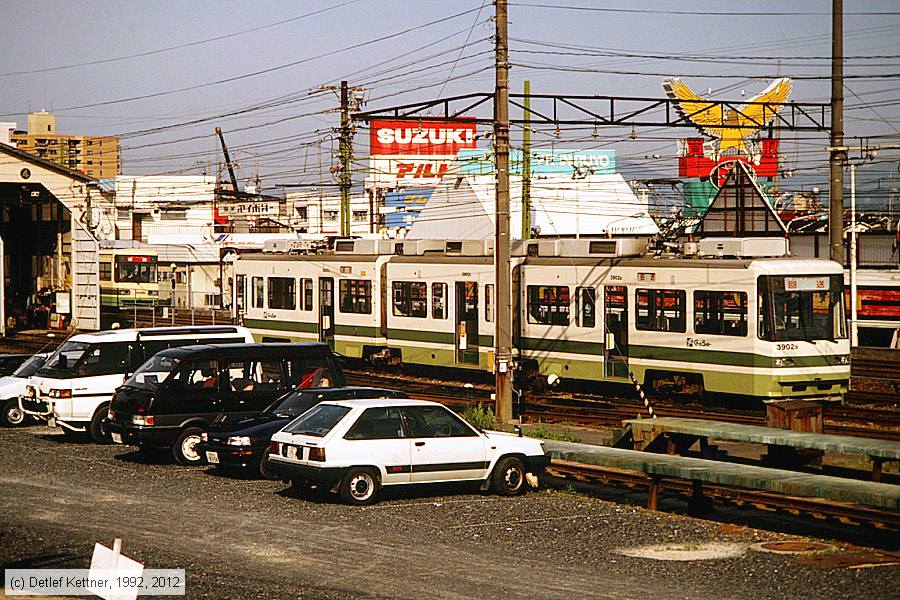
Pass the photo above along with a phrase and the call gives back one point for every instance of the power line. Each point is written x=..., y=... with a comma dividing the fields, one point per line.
x=180, y=46
x=272, y=69
x=755, y=14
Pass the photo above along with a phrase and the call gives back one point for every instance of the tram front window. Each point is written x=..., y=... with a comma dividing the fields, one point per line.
x=793, y=313
x=135, y=269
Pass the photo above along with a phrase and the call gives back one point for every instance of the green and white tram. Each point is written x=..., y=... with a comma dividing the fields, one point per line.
x=767, y=327
x=128, y=278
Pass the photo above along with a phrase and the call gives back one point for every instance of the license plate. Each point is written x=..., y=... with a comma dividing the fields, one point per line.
x=212, y=458
x=291, y=452
x=51, y=422
x=117, y=437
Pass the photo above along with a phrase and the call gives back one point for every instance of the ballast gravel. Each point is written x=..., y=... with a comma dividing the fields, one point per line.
x=241, y=538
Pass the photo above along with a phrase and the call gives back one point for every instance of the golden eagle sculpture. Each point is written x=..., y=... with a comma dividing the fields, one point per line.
x=711, y=117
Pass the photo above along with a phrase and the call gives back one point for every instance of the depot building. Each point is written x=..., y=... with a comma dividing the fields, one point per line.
x=49, y=255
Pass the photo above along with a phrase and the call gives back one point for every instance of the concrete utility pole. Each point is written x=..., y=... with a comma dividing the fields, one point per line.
x=526, y=164
x=838, y=157
x=503, y=333
x=346, y=148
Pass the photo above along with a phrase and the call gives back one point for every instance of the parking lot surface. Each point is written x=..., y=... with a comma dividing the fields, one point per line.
x=241, y=538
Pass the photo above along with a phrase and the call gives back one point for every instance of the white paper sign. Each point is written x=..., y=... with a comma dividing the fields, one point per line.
x=106, y=561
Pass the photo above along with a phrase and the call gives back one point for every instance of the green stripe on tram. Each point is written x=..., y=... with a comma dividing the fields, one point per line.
x=300, y=326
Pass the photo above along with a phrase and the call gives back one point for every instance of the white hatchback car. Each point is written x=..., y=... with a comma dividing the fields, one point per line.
x=361, y=445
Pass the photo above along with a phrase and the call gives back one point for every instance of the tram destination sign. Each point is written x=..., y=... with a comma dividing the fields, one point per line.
x=805, y=284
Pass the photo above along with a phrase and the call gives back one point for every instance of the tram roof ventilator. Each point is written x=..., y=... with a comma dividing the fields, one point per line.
x=582, y=248
x=750, y=247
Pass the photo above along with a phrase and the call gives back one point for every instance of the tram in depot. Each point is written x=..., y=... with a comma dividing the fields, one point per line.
x=754, y=323
x=128, y=278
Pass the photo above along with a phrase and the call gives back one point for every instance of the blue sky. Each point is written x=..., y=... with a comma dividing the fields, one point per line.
x=555, y=44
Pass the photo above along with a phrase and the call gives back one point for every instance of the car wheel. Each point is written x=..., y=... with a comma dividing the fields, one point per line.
x=185, y=448
x=12, y=415
x=95, y=429
x=509, y=476
x=360, y=486
x=264, y=470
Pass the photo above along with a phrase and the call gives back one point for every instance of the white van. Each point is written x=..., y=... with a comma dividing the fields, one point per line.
x=73, y=388
x=13, y=386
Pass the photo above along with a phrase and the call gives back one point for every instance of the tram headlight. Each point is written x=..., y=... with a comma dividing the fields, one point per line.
x=784, y=362
x=844, y=359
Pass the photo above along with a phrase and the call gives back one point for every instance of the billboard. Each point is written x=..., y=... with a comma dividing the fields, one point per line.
x=563, y=162
x=254, y=208
x=423, y=137
x=413, y=169
x=411, y=197
x=697, y=159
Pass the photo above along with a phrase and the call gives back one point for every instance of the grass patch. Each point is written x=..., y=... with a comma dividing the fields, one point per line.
x=566, y=435
x=479, y=416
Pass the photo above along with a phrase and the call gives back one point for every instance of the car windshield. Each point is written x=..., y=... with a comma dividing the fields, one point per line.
x=318, y=420
x=153, y=372
x=294, y=403
x=30, y=366
x=64, y=362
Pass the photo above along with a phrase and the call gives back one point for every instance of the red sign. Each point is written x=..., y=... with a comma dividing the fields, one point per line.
x=426, y=137
x=695, y=164
x=138, y=259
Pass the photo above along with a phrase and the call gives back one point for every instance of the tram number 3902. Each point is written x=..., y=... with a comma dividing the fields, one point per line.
x=786, y=346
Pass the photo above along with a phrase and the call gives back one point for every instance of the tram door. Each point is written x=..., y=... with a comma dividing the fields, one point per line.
x=326, y=310
x=467, y=322
x=615, y=323
x=240, y=297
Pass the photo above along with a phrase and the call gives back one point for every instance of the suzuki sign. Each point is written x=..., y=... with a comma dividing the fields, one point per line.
x=428, y=136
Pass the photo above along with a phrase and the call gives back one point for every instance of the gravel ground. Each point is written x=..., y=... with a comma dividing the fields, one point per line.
x=254, y=539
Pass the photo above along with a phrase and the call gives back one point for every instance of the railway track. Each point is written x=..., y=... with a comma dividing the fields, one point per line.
x=816, y=508
x=608, y=411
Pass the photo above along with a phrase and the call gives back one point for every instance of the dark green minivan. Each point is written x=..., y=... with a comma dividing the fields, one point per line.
x=172, y=399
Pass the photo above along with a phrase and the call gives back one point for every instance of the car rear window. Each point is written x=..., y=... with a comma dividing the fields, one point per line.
x=319, y=420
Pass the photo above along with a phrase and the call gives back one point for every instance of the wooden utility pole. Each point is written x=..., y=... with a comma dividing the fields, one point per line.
x=838, y=156
x=502, y=279
x=526, y=164
x=346, y=148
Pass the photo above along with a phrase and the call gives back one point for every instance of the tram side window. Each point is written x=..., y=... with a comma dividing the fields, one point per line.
x=489, y=302
x=356, y=296
x=105, y=271
x=410, y=299
x=259, y=292
x=438, y=300
x=720, y=313
x=548, y=304
x=586, y=299
x=307, y=291
x=660, y=310
x=283, y=293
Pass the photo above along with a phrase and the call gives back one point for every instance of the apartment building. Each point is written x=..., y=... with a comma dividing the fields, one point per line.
x=95, y=156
